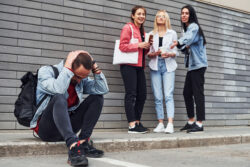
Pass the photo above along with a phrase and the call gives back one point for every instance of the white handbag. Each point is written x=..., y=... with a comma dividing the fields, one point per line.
x=120, y=57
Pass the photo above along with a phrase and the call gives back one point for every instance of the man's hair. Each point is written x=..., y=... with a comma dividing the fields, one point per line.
x=82, y=59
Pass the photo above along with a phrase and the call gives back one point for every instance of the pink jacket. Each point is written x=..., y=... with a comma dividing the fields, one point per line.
x=126, y=35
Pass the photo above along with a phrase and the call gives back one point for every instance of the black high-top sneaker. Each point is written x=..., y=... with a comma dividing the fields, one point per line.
x=76, y=156
x=90, y=150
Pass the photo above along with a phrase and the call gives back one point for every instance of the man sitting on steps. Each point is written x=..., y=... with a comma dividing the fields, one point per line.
x=64, y=113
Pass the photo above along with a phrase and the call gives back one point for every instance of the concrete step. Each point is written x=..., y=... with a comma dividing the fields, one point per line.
x=21, y=143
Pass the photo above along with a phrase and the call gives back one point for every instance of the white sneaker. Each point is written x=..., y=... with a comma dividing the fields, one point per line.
x=169, y=128
x=159, y=128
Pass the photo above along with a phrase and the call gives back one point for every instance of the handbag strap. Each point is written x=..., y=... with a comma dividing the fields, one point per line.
x=132, y=31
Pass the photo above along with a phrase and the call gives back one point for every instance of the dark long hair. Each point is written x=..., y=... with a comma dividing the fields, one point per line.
x=193, y=19
x=133, y=11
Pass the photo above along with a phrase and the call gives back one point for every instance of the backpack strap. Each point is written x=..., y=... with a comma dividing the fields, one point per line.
x=56, y=72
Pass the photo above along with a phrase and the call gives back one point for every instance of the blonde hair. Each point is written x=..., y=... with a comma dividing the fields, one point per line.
x=167, y=23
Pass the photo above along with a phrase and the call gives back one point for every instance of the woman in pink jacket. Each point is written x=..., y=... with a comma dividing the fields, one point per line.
x=133, y=74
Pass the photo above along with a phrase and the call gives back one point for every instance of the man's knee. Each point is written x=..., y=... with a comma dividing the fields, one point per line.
x=96, y=98
x=59, y=98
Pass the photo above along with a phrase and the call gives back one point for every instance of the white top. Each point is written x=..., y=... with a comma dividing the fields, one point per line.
x=168, y=39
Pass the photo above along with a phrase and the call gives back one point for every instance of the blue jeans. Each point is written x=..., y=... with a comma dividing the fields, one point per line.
x=168, y=79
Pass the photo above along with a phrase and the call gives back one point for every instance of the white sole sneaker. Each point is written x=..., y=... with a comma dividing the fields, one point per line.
x=136, y=132
x=169, y=129
x=161, y=131
x=195, y=132
x=133, y=132
x=160, y=128
x=169, y=132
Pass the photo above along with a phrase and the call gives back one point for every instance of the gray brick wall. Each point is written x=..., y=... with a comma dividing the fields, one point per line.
x=40, y=32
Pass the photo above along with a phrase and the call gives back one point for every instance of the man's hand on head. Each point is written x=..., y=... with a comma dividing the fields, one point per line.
x=95, y=68
x=94, y=64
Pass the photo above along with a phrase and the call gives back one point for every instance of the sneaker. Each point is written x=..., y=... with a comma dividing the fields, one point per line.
x=187, y=126
x=77, y=156
x=169, y=128
x=141, y=126
x=195, y=129
x=90, y=150
x=137, y=129
x=159, y=128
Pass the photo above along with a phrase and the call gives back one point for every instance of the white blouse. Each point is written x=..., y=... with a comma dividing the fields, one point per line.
x=167, y=41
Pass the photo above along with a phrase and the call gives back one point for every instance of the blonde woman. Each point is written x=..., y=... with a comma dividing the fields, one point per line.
x=162, y=69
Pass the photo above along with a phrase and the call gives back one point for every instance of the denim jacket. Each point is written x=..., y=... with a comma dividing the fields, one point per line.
x=47, y=84
x=170, y=62
x=194, y=40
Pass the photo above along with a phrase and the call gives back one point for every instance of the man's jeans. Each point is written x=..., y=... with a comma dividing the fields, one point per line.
x=168, y=79
x=57, y=124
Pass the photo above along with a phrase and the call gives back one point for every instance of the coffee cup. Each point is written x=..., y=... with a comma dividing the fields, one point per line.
x=163, y=49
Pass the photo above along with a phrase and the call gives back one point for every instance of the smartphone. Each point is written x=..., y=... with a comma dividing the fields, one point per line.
x=150, y=37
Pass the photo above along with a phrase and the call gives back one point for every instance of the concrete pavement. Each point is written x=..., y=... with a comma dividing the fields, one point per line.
x=237, y=155
x=22, y=142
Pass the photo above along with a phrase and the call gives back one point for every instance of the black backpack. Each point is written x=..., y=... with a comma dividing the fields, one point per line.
x=25, y=105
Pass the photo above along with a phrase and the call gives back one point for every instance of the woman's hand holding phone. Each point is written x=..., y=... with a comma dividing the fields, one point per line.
x=144, y=45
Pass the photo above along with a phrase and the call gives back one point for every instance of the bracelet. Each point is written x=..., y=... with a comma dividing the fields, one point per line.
x=96, y=69
x=97, y=72
x=93, y=71
x=69, y=69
